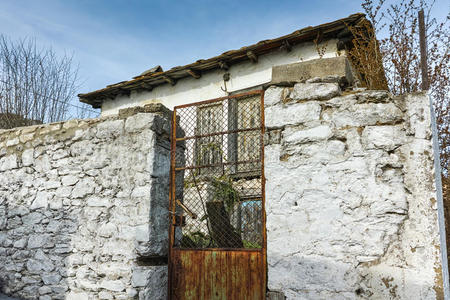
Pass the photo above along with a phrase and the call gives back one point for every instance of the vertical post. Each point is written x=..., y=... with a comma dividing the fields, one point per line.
x=263, y=194
x=172, y=206
x=232, y=137
x=423, y=50
x=440, y=201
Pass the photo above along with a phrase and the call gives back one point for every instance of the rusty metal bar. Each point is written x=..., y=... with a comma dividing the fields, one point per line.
x=219, y=164
x=218, y=133
x=172, y=199
x=257, y=92
x=263, y=193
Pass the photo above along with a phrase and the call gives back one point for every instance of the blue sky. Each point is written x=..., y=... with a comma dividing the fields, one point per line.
x=115, y=40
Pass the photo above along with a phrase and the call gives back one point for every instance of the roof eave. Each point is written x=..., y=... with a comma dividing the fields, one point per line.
x=147, y=82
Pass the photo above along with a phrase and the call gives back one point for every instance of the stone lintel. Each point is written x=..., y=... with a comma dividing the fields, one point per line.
x=148, y=108
x=337, y=69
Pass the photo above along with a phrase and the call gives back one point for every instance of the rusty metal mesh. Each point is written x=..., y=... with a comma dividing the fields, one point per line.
x=218, y=202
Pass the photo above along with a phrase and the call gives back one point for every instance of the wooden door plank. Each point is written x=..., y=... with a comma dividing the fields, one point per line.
x=217, y=274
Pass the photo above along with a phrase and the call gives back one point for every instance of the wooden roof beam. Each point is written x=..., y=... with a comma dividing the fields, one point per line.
x=252, y=56
x=147, y=86
x=169, y=80
x=319, y=37
x=223, y=65
x=193, y=73
x=285, y=45
x=124, y=90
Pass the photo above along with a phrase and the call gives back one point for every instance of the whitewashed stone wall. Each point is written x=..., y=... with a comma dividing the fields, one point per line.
x=350, y=201
x=82, y=203
x=350, y=195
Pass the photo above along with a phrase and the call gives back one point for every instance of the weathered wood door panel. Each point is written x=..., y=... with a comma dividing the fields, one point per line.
x=217, y=274
x=217, y=232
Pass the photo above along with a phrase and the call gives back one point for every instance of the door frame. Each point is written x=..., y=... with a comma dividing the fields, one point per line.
x=172, y=200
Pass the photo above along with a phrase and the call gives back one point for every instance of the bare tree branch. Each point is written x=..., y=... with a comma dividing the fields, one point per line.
x=401, y=56
x=36, y=86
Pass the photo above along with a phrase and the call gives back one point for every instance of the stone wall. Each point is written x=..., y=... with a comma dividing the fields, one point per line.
x=350, y=194
x=83, y=208
x=350, y=200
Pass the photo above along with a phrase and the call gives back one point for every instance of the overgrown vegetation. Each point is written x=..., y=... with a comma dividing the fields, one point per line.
x=223, y=190
x=366, y=57
x=196, y=239
x=396, y=26
x=218, y=210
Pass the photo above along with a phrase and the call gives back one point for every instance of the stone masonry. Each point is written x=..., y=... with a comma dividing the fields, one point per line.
x=350, y=194
x=83, y=205
x=350, y=200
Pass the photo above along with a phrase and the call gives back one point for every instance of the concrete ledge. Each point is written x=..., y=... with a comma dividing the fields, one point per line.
x=148, y=108
x=337, y=69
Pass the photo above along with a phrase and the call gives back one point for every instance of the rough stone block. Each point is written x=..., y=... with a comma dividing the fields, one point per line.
x=18, y=211
x=32, y=218
x=83, y=187
x=98, y=202
x=36, y=267
x=77, y=296
x=8, y=162
x=39, y=241
x=314, y=91
x=140, y=276
x=41, y=200
x=28, y=157
x=21, y=244
x=51, y=279
x=113, y=285
x=293, y=135
x=105, y=295
x=156, y=277
x=138, y=122
x=107, y=230
x=377, y=96
x=42, y=164
x=300, y=113
x=353, y=114
x=274, y=95
x=12, y=142
x=419, y=117
x=383, y=137
x=110, y=129
x=44, y=290
x=69, y=180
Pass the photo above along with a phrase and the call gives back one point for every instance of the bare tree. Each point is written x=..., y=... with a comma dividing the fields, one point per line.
x=36, y=86
x=397, y=25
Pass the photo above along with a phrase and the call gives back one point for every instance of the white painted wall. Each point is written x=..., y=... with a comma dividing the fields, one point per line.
x=350, y=203
x=78, y=204
x=244, y=75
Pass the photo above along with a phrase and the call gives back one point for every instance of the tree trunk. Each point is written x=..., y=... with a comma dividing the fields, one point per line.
x=223, y=233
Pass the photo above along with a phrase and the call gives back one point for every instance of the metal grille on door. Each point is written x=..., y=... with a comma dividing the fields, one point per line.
x=222, y=193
